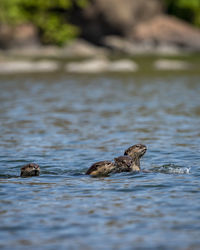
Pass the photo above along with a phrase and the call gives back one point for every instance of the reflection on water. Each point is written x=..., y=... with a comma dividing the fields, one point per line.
x=65, y=123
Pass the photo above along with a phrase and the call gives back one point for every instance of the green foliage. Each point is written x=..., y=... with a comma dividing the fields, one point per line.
x=50, y=16
x=188, y=10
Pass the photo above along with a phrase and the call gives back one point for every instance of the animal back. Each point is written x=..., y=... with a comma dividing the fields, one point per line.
x=97, y=166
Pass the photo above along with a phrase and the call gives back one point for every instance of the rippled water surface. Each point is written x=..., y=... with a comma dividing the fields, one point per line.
x=65, y=123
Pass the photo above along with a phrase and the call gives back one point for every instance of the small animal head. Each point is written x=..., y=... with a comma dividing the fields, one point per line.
x=30, y=169
x=136, y=150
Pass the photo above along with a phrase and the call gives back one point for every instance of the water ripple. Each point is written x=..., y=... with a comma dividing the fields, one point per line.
x=66, y=123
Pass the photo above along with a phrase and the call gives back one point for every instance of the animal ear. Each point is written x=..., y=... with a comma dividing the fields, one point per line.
x=126, y=153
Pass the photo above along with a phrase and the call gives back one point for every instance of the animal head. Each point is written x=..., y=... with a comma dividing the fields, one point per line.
x=30, y=169
x=136, y=150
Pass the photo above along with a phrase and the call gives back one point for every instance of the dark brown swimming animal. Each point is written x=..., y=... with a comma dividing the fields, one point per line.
x=137, y=149
x=127, y=163
x=30, y=169
x=101, y=168
x=131, y=159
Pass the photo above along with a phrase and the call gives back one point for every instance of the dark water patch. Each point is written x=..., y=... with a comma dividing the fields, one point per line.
x=7, y=176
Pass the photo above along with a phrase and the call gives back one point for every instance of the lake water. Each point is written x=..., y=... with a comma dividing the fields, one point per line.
x=67, y=122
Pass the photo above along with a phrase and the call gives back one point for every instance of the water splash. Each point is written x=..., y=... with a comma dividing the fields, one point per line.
x=171, y=169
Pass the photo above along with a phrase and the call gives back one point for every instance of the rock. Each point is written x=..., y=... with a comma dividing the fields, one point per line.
x=166, y=49
x=12, y=67
x=23, y=35
x=42, y=51
x=122, y=66
x=164, y=29
x=82, y=48
x=76, y=49
x=160, y=35
x=87, y=66
x=103, y=17
x=119, y=44
x=130, y=47
x=101, y=65
x=166, y=64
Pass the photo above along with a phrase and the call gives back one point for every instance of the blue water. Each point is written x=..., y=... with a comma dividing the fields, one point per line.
x=65, y=123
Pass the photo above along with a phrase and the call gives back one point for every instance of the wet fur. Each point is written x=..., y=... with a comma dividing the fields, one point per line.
x=102, y=168
x=131, y=159
x=138, y=149
x=127, y=163
x=31, y=169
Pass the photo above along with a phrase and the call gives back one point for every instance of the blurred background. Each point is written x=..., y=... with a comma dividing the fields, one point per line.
x=100, y=30
x=77, y=28
x=80, y=82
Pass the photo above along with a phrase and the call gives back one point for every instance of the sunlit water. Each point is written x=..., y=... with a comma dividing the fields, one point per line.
x=66, y=123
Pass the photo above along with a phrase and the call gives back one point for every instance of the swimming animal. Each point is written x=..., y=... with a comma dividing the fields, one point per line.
x=130, y=161
x=101, y=168
x=127, y=163
x=137, y=149
x=30, y=169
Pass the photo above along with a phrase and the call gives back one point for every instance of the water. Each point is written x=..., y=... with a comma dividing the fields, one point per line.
x=65, y=123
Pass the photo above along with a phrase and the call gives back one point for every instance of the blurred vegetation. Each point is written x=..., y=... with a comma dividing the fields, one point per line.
x=189, y=10
x=51, y=17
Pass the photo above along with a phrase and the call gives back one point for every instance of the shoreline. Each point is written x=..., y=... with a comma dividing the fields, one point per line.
x=82, y=57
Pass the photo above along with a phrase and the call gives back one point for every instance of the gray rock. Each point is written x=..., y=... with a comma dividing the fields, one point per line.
x=166, y=64
x=164, y=29
x=99, y=65
x=122, y=66
x=119, y=44
x=12, y=67
x=82, y=48
x=88, y=66
x=130, y=47
x=76, y=49
x=40, y=52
